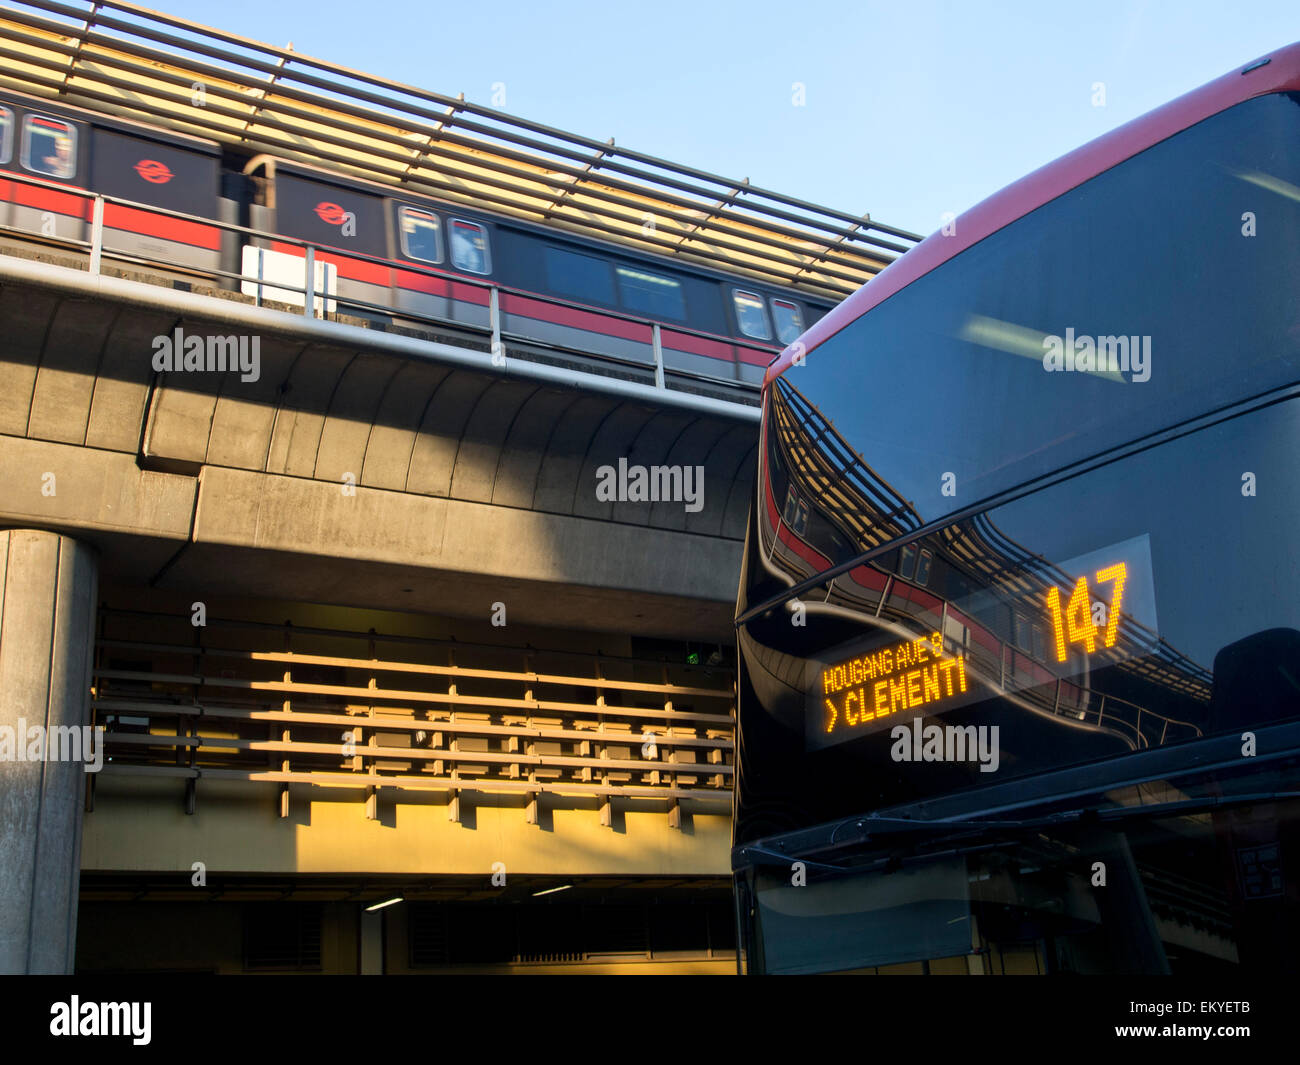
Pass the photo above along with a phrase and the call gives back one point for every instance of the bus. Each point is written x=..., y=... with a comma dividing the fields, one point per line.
x=1019, y=617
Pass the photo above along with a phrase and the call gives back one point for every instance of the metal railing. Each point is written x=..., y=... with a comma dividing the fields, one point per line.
x=663, y=376
x=323, y=708
x=146, y=65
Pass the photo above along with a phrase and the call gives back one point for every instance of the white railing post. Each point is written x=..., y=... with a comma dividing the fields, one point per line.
x=494, y=321
x=657, y=341
x=309, y=289
x=96, y=234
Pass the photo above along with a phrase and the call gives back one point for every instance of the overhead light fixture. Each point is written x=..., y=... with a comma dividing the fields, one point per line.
x=381, y=905
x=552, y=890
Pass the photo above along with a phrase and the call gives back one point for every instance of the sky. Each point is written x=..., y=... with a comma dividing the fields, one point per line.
x=904, y=110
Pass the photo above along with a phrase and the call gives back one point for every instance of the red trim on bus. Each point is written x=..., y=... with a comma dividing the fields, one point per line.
x=1282, y=74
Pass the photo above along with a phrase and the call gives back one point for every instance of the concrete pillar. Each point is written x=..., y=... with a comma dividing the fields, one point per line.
x=373, y=927
x=47, y=630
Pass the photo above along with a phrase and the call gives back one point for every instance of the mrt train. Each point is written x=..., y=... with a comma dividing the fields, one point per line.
x=390, y=253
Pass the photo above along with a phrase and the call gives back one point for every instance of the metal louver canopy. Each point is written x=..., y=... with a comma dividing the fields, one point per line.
x=147, y=66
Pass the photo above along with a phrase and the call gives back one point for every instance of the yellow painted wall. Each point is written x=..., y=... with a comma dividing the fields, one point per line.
x=141, y=825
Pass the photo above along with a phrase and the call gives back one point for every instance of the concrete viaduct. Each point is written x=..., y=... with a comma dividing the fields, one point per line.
x=367, y=481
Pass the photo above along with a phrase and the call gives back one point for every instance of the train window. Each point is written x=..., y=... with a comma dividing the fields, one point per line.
x=1022, y=636
x=650, y=294
x=469, y=248
x=795, y=514
x=907, y=561
x=581, y=276
x=421, y=234
x=49, y=146
x=751, y=316
x=6, y=133
x=923, y=567
x=1040, y=644
x=789, y=320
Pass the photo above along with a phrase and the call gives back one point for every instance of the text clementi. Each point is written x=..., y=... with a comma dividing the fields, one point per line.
x=903, y=676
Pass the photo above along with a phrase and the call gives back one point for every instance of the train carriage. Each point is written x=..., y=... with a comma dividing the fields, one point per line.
x=560, y=292
x=385, y=253
x=65, y=148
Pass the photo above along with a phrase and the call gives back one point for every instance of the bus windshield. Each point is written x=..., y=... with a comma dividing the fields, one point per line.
x=1024, y=531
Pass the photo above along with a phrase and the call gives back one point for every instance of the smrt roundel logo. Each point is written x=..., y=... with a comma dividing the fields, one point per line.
x=154, y=171
x=331, y=213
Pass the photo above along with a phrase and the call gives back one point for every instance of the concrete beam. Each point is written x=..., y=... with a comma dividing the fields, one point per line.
x=263, y=320
x=240, y=533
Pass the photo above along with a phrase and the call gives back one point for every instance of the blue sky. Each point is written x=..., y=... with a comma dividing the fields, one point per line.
x=911, y=109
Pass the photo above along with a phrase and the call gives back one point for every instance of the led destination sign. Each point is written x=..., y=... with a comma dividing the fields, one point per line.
x=869, y=688
x=1010, y=639
x=1079, y=623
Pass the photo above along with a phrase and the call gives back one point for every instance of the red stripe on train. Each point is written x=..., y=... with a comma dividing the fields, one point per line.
x=693, y=345
x=803, y=550
x=348, y=269
x=128, y=219
x=146, y=223
x=591, y=321
x=868, y=577
x=440, y=285
x=44, y=199
x=422, y=283
x=575, y=317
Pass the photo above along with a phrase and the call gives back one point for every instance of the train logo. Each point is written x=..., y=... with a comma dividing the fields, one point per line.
x=331, y=213
x=153, y=171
